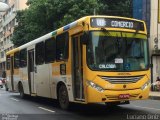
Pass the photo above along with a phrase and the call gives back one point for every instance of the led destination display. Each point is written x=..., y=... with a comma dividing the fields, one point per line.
x=117, y=23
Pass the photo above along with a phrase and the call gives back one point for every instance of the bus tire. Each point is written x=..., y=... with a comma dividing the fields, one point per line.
x=21, y=91
x=63, y=97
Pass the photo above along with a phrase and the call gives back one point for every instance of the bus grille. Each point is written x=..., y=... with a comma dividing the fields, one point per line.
x=122, y=80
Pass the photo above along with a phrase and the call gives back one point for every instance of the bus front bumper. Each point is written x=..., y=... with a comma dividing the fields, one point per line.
x=94, y=96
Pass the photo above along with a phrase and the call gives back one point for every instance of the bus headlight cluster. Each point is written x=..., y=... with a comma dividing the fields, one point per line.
x=145, y=85
x=95, y=86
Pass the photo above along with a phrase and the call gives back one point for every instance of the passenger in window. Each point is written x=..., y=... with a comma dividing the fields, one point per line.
x=135, y=48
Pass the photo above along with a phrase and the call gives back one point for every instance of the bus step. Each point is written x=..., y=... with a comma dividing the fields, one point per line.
x=78, y=99
x=33, y=94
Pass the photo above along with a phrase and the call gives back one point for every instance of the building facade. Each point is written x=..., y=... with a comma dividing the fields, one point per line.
x=149, y=11
x=155, y=39
x=142, y=11
x=7, y=24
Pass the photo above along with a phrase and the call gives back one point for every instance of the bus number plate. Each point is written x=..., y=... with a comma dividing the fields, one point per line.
x=124, y=96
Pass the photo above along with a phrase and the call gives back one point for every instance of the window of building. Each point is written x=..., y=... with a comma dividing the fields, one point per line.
x=23, y=58
x=50, y=50
x=16, y=60
x=2, y=54
x=40, y=53
x=62, y=46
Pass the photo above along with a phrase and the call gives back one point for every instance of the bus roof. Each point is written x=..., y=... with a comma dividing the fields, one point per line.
x=63, y=29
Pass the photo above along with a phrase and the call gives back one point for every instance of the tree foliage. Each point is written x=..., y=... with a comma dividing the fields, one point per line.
x=118, y=7
x=43, y=16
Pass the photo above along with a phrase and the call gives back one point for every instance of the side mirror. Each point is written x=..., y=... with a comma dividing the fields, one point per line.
x=85, y=38
x=151, y=65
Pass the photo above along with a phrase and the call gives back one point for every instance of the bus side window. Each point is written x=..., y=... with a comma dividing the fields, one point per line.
x=23, y=58
x=40, y=53
x=8, y=62
x=16, y=60
x=62, y=43
x=50, y=50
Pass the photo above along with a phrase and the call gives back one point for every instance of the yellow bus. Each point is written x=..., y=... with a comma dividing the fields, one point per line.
x=93, y=59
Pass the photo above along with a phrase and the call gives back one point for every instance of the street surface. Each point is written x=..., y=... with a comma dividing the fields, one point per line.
x=12, y=107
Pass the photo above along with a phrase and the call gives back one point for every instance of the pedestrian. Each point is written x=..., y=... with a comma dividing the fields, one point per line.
x=4, y=74
x=158, y=79
x=158, y=83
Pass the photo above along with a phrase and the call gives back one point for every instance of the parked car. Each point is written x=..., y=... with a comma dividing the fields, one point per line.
x=2, y=82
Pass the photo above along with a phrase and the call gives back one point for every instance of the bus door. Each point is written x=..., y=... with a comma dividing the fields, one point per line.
x=77, y=68
x=12, y=73
x=31, y=71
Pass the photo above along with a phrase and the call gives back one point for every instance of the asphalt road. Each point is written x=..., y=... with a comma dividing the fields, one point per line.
x=12, y=107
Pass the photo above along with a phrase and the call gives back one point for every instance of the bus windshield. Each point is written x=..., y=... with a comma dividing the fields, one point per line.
x=117, y=53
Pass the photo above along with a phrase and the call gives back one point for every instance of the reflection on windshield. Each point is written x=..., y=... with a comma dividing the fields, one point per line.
x=116, y=53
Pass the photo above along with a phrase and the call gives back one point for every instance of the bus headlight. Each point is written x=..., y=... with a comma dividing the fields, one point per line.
x=145, y=85
x=95, y=86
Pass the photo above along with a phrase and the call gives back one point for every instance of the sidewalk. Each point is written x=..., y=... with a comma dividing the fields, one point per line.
x=154, y=95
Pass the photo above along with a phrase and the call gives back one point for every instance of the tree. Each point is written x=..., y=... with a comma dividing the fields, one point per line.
x=117, y=8
x=44, y=16
x=19, y=31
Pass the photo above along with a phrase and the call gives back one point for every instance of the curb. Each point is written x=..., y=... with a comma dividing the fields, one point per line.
x=154, y=97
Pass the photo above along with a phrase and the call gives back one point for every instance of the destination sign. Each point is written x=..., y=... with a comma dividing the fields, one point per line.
x=117, y=23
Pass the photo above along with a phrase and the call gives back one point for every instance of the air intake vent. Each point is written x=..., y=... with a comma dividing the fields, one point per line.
x=122, y=80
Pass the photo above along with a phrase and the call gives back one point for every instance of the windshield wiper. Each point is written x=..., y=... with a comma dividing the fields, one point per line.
x=106, y=31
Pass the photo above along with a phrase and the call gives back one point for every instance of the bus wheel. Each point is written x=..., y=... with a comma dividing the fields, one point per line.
x=21, y=91
x=63, y=97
